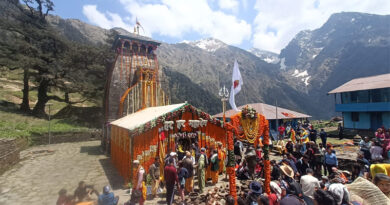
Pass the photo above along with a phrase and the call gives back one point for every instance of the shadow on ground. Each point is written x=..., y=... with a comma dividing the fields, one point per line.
x=115, y=180
x=91, y=150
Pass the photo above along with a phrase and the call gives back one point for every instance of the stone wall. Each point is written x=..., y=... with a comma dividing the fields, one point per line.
x=9, y=152
x=67, y=137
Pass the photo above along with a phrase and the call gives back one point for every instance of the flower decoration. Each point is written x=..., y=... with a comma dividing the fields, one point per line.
x=248, y=112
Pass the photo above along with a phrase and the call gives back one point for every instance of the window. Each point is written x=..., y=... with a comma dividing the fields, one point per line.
x=355, y=116
x=363, y=96
x=386, y=95
x=376, y=95
x=354, y=97
x=345, y=99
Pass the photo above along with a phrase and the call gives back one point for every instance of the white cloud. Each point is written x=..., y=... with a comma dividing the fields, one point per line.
x=177, y=18
x=229, y=5
x=107, y=20
x=278, y=21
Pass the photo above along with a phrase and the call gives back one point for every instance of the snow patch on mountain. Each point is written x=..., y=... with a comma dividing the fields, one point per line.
x=282, y=65
x=304, y=75
x=208, y=44
x=266, y=56
x=299, y=74
x=306, y=80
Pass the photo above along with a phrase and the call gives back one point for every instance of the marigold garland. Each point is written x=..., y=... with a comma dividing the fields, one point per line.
x=262, y=130
x=251, y=128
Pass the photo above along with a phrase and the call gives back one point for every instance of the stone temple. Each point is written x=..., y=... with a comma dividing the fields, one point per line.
x=133, y=80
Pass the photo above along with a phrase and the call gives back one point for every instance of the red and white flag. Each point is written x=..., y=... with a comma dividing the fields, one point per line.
x=236, y=85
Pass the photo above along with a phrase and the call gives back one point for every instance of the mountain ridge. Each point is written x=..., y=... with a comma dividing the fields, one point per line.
x=347, y=46
x=298, y=78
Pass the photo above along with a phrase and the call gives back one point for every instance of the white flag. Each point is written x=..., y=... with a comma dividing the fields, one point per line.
x=236, y=85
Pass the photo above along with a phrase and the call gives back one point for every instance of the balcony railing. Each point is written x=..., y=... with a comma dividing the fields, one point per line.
x=363, y=107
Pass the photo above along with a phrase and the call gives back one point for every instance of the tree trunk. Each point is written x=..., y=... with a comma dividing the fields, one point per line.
x=39, y=109
x=67, y=101
x=25, y=106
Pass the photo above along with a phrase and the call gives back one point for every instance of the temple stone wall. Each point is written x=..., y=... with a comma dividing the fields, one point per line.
x=118, y=85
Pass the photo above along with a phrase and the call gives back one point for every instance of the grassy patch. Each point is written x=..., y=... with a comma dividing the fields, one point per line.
x=22, y=126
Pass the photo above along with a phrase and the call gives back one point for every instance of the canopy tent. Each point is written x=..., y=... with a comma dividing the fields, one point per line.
x=139, y=135
x=269, y=111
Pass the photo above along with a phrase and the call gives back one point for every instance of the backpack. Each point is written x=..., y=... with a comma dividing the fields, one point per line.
x=237, y=150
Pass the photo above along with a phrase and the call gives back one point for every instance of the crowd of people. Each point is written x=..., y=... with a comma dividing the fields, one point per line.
x=179, y=173
x=308, y=172
x=377, y=148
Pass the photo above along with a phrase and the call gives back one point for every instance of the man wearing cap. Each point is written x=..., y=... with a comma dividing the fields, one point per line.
x=202, y=163
x=173, y=156
x=255, y=192
x=138, y=181
x=107, y=198
x=170, y=176
x=288, y=184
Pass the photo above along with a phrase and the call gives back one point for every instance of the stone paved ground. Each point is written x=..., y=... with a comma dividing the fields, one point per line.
x=46, y=169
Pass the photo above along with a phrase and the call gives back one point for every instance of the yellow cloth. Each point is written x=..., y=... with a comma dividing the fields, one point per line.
x=293, y=136
x=214, y=176
x=86, y=203
x=189, y=184
x=379, y=168
x=305, y=133
x=155, y=185
x=221, y=161
x=208, y=172
x=144, y=190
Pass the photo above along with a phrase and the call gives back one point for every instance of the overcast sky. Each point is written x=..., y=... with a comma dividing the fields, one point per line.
x=263, y=24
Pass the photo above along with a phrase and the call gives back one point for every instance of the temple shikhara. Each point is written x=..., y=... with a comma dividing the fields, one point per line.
x=133, y=81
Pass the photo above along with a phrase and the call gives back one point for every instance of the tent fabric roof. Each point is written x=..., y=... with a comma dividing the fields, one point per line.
x=269, y=111
x=366, y=83
x=139, y=118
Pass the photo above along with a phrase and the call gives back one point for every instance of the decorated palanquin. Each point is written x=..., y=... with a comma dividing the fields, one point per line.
x=154, y=131
x=250, y=126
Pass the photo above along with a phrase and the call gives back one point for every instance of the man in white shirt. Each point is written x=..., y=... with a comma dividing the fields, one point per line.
x=309, y=183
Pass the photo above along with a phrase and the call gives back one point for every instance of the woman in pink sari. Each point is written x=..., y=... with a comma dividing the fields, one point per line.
x=386, y=144
x=380, y=134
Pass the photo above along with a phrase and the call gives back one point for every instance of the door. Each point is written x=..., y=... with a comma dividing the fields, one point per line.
x=376, y=120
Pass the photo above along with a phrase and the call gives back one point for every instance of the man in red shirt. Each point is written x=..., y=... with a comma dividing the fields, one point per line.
x=170, y=175
x=281, y=130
